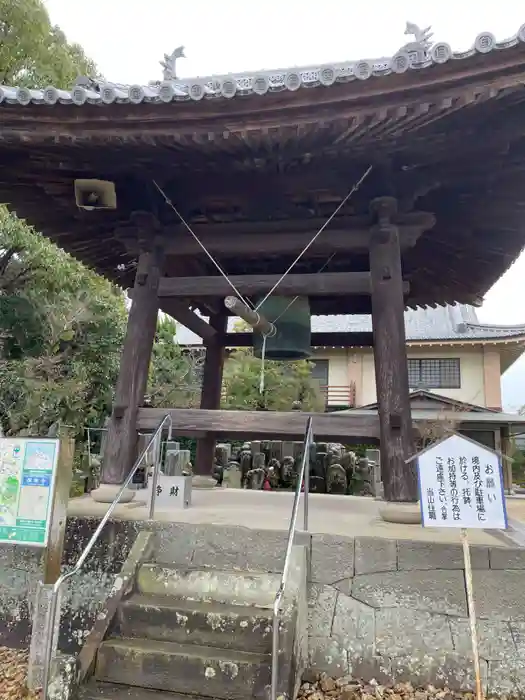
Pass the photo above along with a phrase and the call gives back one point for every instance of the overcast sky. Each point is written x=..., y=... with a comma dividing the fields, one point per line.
x=127, y=39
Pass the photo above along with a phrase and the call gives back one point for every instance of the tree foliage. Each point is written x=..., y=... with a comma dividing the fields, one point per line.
x=175, y=372
x=33, y=52
x=287, y=385
x=61, y=329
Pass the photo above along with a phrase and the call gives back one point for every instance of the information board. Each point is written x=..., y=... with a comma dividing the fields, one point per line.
x=27, y=480
x=461, y=485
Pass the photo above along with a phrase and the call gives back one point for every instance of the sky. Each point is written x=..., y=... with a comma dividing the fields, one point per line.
x=128, y=38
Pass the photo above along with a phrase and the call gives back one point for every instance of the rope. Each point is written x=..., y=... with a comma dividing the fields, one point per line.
x=198, y=241
x=328, y=261
x=312, y=241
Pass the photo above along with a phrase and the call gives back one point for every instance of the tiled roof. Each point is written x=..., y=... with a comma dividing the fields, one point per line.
x=458, y=322
x=415, y=55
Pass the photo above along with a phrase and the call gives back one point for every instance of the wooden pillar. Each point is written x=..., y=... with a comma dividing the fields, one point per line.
x=211, y=390
x=396, y=432
x=506, y=459
x=121, y=440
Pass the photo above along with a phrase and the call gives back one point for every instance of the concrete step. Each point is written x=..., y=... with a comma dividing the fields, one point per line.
x=116, y=691
x=209, y=585
x=184, y=668
x=193, y=622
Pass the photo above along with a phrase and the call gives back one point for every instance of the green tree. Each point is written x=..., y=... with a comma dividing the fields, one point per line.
x=61, y=330
x=287, y=385
x=33, y=52
x=175, y=372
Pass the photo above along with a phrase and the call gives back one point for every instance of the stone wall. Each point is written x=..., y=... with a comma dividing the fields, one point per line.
x=388, y=609
x=21, y=569
x=397, y=610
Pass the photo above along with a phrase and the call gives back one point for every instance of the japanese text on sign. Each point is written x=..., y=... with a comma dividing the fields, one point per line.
x=461, y=485
x=27, y=476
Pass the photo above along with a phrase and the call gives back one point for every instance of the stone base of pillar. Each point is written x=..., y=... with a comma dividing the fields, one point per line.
x=203, y=482
x=106, y=493
x=402, y=513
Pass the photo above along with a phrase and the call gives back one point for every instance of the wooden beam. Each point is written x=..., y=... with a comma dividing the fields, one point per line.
x=393, y=396
x=184, y=315
x=250, y=316
x=317, y=284
x=277, y=424
x=343, y=235
x=211, y=390
x=319, y=340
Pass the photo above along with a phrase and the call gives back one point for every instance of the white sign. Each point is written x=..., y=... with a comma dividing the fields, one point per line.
x=461, y=485
x=27, y=480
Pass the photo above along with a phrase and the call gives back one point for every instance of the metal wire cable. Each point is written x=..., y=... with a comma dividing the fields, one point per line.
x=203, y=247
x=312, y=241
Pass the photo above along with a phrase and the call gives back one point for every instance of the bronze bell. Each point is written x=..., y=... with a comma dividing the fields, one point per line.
x=292, y=320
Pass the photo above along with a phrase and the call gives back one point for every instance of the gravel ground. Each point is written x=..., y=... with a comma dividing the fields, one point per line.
x=13, y=673
x=349, y=688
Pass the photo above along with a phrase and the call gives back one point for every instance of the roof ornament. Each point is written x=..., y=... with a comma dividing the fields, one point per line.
x=169, y=63
x=422, y=39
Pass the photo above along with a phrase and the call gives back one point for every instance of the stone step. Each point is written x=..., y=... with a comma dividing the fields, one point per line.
x=116, y=691
x=184, y=668
x=193, y=622
x=209, y=585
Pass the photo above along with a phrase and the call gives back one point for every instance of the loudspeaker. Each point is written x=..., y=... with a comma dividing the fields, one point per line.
x=95, y=194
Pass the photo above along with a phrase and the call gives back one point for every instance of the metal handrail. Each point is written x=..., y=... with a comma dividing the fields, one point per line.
x=303, y=477
x=50, y=622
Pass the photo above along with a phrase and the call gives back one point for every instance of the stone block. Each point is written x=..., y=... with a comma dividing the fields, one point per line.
x=518, y=634
x=499, y=594
x=434, y=555
x=353, y=626
x=321, y=609
x=374, y=554
x=453, y=671
x=506, y=676
x=263, y=550
x=344, y=586
x=502, y=558
x=495, y=640
x=175, y=543
x=404, y=632
x=430, y=591
x=332, y=558
x=375, y=668
x=326, y=655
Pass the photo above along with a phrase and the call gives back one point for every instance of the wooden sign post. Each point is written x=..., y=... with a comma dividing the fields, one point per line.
x=461, y=486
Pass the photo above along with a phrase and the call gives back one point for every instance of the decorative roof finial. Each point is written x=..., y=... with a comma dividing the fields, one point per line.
x=422, y=38
x=169, y=63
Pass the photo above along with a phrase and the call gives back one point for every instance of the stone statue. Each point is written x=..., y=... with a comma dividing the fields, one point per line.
x=169, y=63
x=245, y=460
x=217, y=472
x=273, y=474
x=232, y=477
x=255, y=479
x=364, y=476
x=288, y=472
x=336, y=481
x=349, y=462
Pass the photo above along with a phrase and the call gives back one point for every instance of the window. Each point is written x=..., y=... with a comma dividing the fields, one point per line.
x=434, y=374
x=320, y=371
